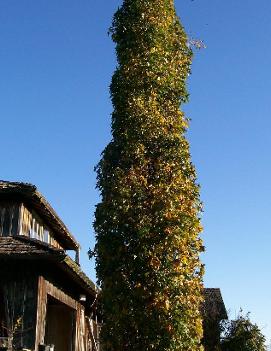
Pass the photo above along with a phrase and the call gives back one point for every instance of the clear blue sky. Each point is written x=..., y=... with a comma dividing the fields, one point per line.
x=56, y=66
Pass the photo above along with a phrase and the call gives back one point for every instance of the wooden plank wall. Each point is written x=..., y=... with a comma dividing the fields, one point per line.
x=31, y=225
x=16, y=219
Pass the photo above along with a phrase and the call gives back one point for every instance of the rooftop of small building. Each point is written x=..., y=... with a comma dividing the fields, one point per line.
x=213, y=306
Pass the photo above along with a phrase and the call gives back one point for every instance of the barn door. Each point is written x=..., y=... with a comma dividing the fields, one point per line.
x=60, y=325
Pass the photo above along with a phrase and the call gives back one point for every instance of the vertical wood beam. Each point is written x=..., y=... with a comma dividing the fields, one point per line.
x=41, y=313
x=77, y=256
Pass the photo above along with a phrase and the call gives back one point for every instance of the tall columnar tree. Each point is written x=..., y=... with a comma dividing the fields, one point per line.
x=147, y=223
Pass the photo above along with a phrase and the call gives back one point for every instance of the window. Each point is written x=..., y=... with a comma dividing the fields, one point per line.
x=33, y=227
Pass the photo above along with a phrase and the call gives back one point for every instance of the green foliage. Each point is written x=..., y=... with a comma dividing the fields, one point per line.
x=147, y=224
x=242, y=335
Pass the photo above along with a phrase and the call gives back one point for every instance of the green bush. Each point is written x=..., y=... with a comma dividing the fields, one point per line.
x=242, y=335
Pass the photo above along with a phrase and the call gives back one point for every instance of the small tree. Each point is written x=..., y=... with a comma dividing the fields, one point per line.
x=242, y=335
x=147, y=224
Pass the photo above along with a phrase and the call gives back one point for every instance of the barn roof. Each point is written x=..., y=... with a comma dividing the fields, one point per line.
x=213, y=306
x=78, y=274
x=25, y=248
x=29, y=194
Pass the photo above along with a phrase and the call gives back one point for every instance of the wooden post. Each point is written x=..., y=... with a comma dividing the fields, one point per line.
x=41, y=313
x=77, y=256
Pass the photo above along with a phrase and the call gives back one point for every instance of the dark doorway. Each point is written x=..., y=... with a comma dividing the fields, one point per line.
x=60, y=322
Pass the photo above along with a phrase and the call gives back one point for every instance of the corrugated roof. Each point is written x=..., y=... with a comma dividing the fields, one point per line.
x=29, y=193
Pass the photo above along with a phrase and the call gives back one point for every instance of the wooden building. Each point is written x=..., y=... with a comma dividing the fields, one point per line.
x=45, y=298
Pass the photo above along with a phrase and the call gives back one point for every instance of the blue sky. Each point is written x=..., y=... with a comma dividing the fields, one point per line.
x=56, y=65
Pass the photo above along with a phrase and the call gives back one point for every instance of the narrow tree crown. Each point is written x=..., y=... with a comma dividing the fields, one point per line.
x=147, y=223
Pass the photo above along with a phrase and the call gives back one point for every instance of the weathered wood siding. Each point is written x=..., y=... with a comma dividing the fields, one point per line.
x=28, y=287
x=16, y=219
x=32, y=226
